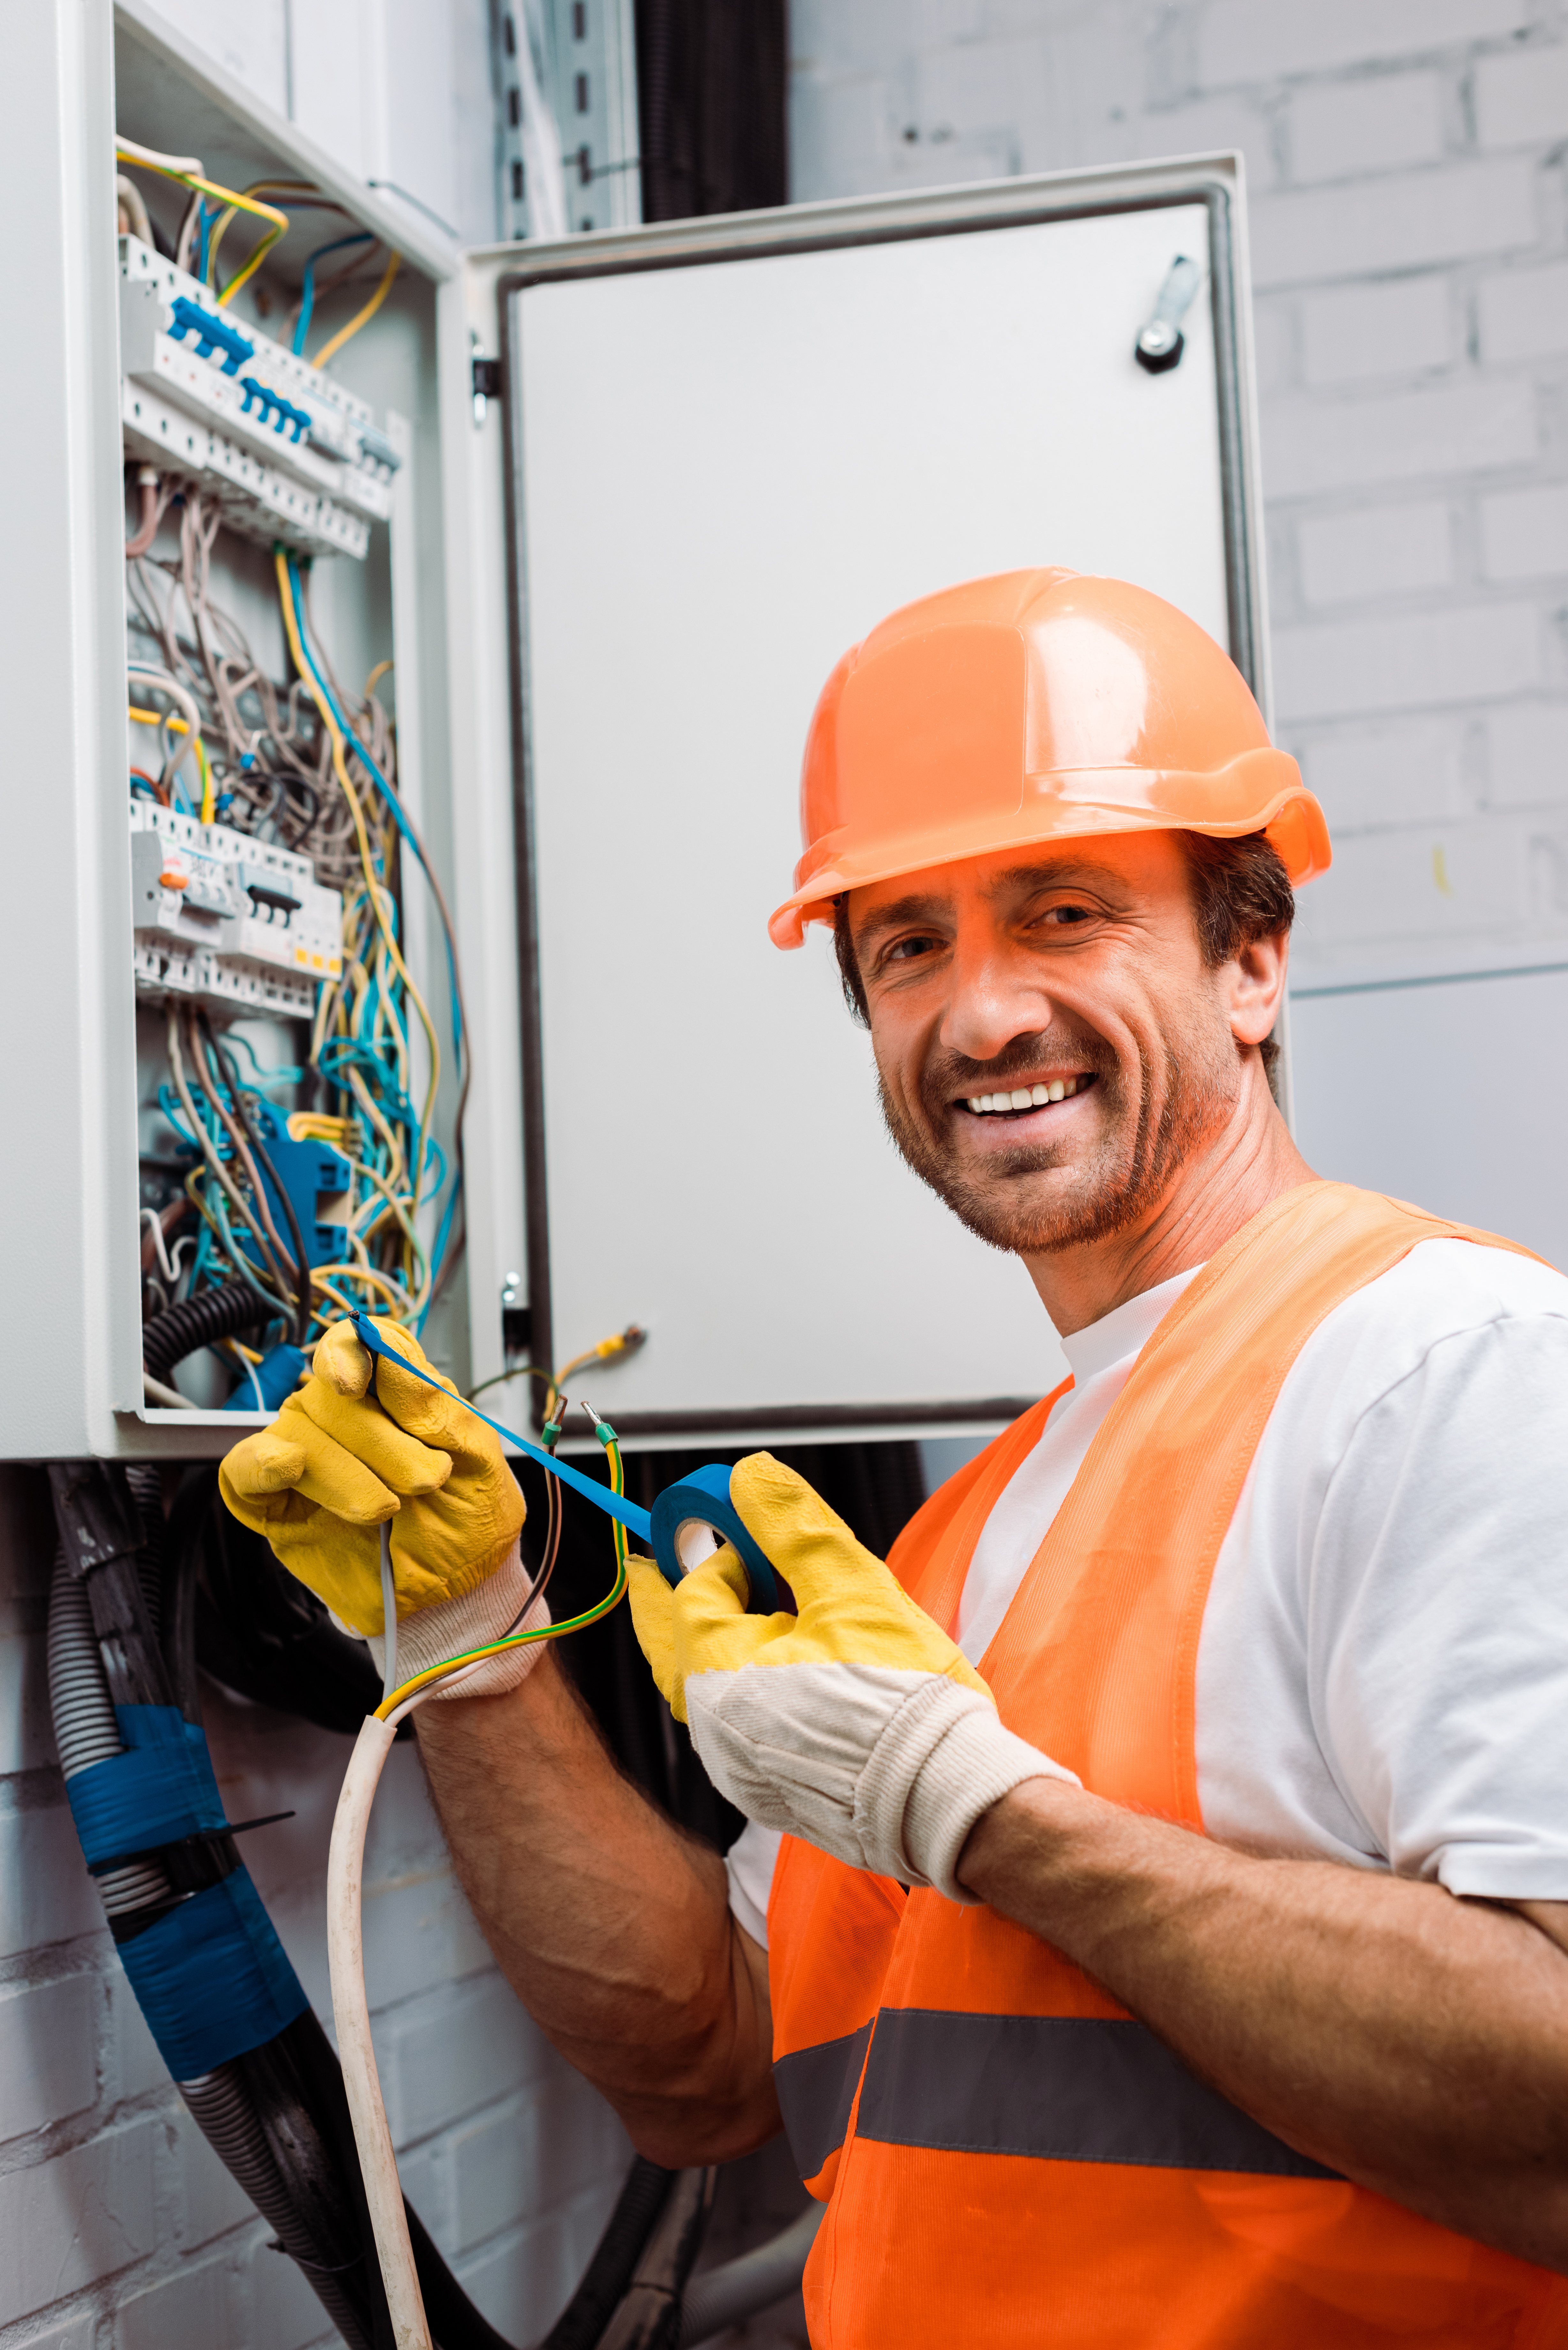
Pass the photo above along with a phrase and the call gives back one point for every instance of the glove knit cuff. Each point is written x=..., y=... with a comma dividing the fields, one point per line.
x=446, y=1628
x=948, y=1750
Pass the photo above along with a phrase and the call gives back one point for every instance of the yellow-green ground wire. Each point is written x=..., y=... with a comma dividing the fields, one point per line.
x=419, y=1682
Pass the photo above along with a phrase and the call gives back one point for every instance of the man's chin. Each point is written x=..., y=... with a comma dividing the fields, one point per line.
x=1032, y=1212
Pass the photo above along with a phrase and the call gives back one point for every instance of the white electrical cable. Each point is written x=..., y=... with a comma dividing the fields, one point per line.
x=352, y=2013
x=129, y=152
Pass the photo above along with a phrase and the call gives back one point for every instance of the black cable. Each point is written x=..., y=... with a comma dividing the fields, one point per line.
x=261, y=1632
x=196, y=1322
x=638, y=2208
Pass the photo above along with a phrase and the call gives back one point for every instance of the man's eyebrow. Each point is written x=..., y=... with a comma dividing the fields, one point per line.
x=922, y=907
x=1059, y=874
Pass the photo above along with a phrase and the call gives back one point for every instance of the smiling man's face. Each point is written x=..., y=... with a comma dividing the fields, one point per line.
x=1049, y=1042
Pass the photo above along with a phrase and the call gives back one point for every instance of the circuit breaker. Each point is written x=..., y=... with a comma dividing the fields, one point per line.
x=289, y=453
x=226, y=919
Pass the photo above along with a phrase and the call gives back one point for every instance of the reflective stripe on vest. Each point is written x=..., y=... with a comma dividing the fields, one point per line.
x=816, y=2090
x=1019, y=2162
x=1063, y=2088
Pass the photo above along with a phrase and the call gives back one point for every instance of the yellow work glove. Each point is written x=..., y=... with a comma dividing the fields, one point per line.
x=858, y=1725
x=349, y=1452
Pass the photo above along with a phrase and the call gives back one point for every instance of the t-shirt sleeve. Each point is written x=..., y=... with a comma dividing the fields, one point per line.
x=750, y=1863
x=1435, y=1590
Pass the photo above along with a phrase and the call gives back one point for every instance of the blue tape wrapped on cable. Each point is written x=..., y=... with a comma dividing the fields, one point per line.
x=211, y=1978
x=160, y=1790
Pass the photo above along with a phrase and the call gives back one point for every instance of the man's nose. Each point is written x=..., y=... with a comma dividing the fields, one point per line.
x=994, y=997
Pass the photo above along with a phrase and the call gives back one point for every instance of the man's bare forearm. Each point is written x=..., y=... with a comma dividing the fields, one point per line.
x=1417, y=2043
x=612, y=1926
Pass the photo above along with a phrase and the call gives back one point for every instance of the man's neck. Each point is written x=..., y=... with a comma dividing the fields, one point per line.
x=1216, y=1190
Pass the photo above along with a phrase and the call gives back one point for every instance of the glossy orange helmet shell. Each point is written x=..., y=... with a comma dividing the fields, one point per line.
x=1032, y=706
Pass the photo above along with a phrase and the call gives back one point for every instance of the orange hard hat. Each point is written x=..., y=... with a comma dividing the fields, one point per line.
x=1036, y=705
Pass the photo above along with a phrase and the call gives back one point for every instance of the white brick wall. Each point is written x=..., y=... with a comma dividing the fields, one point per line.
x=1411, y=253
x=120, y=2230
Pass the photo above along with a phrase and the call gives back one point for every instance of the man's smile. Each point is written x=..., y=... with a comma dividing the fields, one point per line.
x=1014, y=1104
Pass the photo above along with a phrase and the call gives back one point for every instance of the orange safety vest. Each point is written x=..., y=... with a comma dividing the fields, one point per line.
x=1009, y=2159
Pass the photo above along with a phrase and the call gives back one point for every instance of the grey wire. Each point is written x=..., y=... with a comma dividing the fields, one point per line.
x=389, y=1614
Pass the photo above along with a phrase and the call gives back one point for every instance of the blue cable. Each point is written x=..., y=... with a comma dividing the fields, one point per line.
x=366, y=761
x=307, y=288
x=615, y=1505
x=444, y=1229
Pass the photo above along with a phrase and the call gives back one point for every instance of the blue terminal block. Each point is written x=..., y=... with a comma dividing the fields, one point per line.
x=268, y=1384
x=294, y=423
x=212, y=334
x=316, y=1179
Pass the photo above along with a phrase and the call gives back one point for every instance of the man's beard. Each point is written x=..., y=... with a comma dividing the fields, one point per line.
x=1120, y=1180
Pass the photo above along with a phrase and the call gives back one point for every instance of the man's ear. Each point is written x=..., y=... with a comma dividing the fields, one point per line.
x=1254, y=987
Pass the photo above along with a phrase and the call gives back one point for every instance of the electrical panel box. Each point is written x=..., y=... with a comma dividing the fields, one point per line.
x=588, y=662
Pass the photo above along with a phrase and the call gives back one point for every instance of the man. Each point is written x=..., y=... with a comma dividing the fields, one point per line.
x=1196, y=1970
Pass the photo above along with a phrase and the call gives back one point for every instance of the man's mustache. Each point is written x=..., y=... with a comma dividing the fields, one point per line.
x=947, y=1074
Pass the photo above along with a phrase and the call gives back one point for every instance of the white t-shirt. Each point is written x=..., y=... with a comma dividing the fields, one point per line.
x=1383, y=1669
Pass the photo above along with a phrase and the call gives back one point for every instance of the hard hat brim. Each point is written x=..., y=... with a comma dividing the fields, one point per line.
x=1260, y=791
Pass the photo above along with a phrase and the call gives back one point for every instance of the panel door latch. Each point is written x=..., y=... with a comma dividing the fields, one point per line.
x=1160, y=341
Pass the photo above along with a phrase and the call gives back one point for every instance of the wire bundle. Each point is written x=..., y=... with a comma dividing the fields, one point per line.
x=305, y=766
x=401, y=1699
x=212, y=1109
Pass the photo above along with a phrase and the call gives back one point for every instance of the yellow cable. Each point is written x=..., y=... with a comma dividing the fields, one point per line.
x=356, y=1272
x=126, y=153
x=209, y=797
x=330, y=350
x=418, y=1681
x=340, y=770
x=256, y=188
x=153, y=718
x=317, y=1126
x=498, y=1647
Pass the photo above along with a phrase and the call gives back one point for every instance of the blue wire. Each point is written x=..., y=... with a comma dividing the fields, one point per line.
x=307, y=290
x=268, y=1076
x=366, y=761
x=615, y=1505
x=204, y=222
x=444, y=1229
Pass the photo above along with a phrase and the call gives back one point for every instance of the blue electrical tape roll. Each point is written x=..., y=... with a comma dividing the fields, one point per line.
x=703, y=1499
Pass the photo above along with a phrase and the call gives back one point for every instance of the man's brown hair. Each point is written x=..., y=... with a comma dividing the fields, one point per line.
x=1241, y=893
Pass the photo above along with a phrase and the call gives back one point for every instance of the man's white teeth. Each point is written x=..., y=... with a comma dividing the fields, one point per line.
x=1025, y=1096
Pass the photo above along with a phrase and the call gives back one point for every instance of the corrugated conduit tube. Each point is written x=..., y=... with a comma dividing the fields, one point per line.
x=86, y=1732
